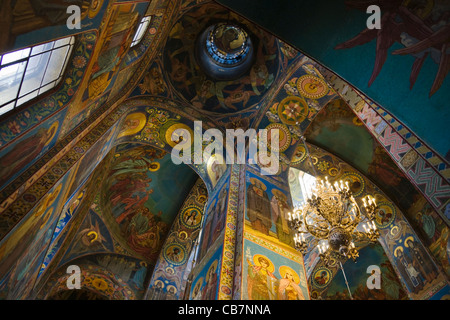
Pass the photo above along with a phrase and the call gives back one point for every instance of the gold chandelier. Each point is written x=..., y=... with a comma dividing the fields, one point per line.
x=332, y=221
x=332, y=216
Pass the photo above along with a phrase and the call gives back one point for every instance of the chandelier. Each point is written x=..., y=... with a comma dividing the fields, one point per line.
x=332, y=221
x=332, y=216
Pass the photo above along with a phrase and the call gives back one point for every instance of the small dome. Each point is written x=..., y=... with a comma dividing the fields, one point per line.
x=224, y=51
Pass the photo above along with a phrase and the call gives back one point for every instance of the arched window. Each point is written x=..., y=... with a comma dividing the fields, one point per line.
x=27, y=73
x=301, y=185
x=143, y=25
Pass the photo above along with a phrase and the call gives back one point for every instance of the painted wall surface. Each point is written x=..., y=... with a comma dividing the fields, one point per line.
x=68, y=211
x=205, y=283
x=175, y=260
x=153, y=120
x=93, y=66
x=400, y=66
x=114, y=268
x=34, y=113
x=357, y=275
x=26, y=23
x=25, y=249
x=267, y=205
x=215, y=215
x=413, y=263
x=45, y=124
x=138, y=197
x=271, y=268
x=100, y=277
x=200, y=89
x=271, y=272
x=344, y=135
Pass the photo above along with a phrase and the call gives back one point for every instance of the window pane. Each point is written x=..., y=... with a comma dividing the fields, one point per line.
x=55, y=64
x=47, y=87
x=16, y=55
x=40, y=70
x=7, y=108
x=42, y=47
x=35, y=72
x=61, y=42
x=138, y=32
x=141, y=30
x=27, y=97
x=10, y=78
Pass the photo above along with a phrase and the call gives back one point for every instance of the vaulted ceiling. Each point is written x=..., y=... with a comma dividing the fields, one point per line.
x=97, y=146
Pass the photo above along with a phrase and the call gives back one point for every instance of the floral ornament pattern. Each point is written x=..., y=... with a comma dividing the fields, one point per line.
x=292, y=110
x=156, y=120
x=79, y=62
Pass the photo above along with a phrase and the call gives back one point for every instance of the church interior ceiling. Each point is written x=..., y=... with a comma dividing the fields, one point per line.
x=87, y=177
x=408, y=67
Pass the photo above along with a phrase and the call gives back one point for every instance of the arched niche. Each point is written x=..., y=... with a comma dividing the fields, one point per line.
x=416, y=268
x=98, y=274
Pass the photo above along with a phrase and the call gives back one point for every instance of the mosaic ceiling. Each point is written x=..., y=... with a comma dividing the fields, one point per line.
x=97, y=147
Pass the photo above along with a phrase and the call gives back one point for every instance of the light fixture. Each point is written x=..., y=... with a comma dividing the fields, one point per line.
x=332, y=221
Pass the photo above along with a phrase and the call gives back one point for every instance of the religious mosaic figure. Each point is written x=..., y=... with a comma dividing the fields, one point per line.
x=288, y=288
x=261, y=282
x=144, y=232
x=175, y=255
x=421, y=260
x=409, y=273
x=25, y=152
x=196, y=292
x=258, y=206
x=280, y=208
x=220, y=211
x=210, y=289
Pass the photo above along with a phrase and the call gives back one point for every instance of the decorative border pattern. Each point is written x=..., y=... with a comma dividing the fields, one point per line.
x=228, y=255
x=239, y=237
x=181, y=235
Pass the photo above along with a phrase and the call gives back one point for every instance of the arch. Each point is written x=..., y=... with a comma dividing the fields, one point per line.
x=93, y=278
x=394, y=228
x=168, y=279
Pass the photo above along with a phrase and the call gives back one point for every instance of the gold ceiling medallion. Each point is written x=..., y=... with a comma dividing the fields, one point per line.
x=282, y=134
x=292, y=110
x=312, y=87
x=177, y=138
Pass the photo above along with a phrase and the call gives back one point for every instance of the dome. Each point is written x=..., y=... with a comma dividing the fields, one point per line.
x=224, y=51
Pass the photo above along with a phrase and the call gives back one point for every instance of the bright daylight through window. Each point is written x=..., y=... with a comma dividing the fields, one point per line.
x=29, y=72
x=143, y=25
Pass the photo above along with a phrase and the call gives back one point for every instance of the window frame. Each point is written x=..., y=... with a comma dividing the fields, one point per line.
x=71, y=44
x=137, y=38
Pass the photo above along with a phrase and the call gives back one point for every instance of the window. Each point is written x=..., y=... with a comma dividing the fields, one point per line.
x=143, y=25
x=29, y=72
x=307, y=183
x=301, y=185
